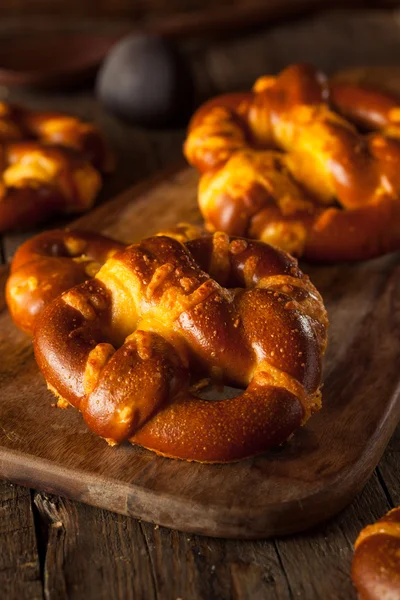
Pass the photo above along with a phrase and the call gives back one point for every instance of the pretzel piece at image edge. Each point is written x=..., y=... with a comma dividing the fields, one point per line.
x=376, y=561
x=128, y=346
x=283, y=164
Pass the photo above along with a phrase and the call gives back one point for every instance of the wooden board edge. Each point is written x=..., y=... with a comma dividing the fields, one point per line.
x=190, y=517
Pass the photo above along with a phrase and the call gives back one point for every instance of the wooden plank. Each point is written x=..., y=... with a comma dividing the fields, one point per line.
x=122, y=558
x=389, y=470
x=93, y=554
x=214, y=568
x=328, y=550
x=20, y=577
x=309, y=479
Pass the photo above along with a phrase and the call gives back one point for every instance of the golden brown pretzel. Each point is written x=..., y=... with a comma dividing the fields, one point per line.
x=125, y=346
x=49, y=264
x=376, y=562
x=18, y=123
x=279, y=164
x=65, y=130
x=50, y=163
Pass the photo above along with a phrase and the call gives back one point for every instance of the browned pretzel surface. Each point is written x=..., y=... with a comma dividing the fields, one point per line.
x=129, y=346
x=49, y=264
x=376, y=562
x=286, y=164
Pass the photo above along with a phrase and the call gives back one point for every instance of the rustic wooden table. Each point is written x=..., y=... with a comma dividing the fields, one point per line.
x=53, y=548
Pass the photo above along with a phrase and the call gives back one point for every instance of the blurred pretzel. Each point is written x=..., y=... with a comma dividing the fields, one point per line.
x=283, y=164
x=49, y=163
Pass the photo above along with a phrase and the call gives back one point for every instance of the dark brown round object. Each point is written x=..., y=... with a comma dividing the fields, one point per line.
x=145, y=80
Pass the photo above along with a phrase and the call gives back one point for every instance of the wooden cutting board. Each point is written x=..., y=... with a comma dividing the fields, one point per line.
x=289, y=489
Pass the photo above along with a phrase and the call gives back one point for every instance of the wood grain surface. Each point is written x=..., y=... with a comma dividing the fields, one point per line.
x=294, y=487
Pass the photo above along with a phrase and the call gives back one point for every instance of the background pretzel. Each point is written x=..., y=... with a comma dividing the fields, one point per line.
x=126, y=346
x=279, y=164
x=49, y=264
x=50, y=163
x=376, y=562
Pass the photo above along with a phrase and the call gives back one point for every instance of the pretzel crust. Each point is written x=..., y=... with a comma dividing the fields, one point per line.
x=283, y=164
x=50, y=163
x=49, y=264
x=127, y=346
x=376, y=562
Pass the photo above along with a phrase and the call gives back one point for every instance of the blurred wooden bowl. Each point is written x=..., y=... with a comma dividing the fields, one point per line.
x=384, y=78
x=51, y=60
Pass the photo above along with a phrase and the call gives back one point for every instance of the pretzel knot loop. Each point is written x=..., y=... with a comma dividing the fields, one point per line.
x=290, y=163
x=49, y=264
x=127, y=347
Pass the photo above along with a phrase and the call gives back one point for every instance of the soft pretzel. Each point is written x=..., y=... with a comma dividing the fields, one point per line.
x=127, y=347
x=284, y=165
x=50, y=163
x=49, y=264
x=376, y=562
